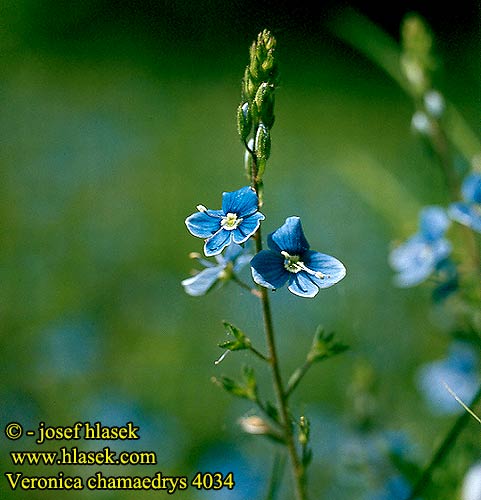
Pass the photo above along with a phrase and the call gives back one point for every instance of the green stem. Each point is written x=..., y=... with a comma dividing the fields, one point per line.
x=296, y=377
x=297, y=466
x=277, y=470
x=443, y=449
x=259, y=354
x=298, y=469
x=245, y=286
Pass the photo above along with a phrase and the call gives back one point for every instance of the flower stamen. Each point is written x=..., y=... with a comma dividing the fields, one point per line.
x=293, y=264
x=230, y=221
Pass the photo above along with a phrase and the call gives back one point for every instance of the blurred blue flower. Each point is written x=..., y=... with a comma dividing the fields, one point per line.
x=472, y=483
x=229, y=264
x=458, y=371
x=235, y=223
x=69, y=348
x=468, y=211
x=289, y=260
x=249, y=472
x=425, y=252
x=395, y=488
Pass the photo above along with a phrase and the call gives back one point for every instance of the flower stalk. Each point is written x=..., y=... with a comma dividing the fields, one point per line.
x=258, y=90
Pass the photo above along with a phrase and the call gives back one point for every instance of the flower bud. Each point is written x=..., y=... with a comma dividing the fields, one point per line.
x=264, y=100
x=262, y=142
x=244, y=121
x=258, y=426
x=434, y=103
x=421, y=123
x=248, y=160
x=417, y=61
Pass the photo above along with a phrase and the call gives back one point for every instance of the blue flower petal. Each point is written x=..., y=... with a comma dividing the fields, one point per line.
x=411, y=253
x=241, y=261
x=247, y=228
x=413, y=276
x=203, y=224
x=217, y=242
x=301, y=284
x=461, y=377
x=232, y=253
x=243, y=202
x=414, y=260
x=469, y=215
x=202, y=282
x=268, y=269
x=471, y=188
x=433, y=222
x=441, y=250
x=289, y=238
x=332, y=268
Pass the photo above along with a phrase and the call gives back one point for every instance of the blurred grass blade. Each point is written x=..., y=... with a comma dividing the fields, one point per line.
x=385, y=202
x=369, y=39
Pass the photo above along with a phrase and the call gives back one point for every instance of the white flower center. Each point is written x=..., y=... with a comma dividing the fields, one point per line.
x=293, y=264
x=230, y=221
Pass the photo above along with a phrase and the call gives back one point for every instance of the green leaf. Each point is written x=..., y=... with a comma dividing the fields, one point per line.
x=247, y=390
x=241, y=340
x=324, y=346
x=251, y=382
x=272, y=411
x=233, y=387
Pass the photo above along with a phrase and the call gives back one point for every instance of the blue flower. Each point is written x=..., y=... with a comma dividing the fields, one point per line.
x=289, y=260
x=458, y=371
x=235, y=223
x=425, y=252
x=230, y=263
x=468, y=212
x=395, y=488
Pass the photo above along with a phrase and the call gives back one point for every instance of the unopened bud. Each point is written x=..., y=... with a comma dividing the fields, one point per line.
x=421, y=123
x=263, y=142
x=259, y=427
x=434, y=103
x=244, y=120
x=254, y=425
x=264, y=101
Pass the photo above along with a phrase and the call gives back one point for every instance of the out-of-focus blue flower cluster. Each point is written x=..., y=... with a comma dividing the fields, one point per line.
x=427, y=252
x=468, y=211
x=458, y=371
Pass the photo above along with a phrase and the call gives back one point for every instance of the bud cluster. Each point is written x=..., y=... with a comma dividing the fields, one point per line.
x=255, y=114
x=417, y=60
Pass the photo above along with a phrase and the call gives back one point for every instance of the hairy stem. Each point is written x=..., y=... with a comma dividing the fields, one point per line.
x=297, y=466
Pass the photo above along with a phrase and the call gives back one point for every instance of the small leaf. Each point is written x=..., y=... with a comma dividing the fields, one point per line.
x=272, y=411
x=233, y=387
x=241, y=341
x=324, y=346
x=251, y=383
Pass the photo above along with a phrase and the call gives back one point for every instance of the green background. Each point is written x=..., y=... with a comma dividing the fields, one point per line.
x=117, y=119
